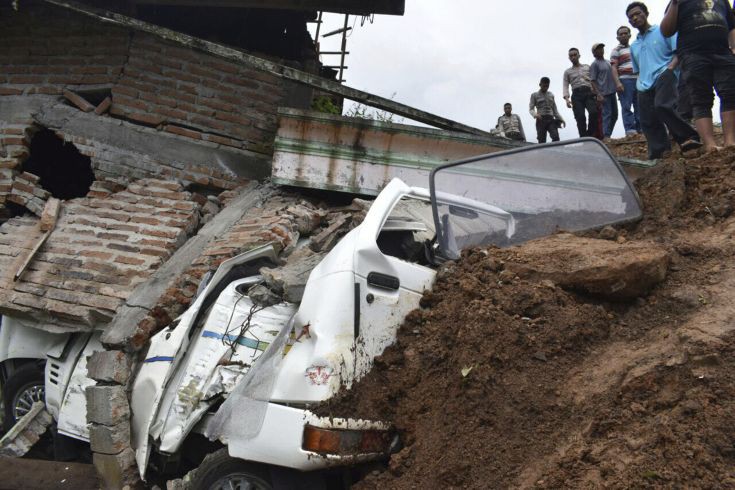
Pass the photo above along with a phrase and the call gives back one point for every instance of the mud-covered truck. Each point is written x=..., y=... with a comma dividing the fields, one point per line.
x=239, y=372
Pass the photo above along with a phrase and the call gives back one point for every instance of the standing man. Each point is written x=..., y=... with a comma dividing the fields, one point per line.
x=655, y=61
x=605, y=85
x=543, y=109
x=582, y=98
x=509, y=124
x=706, y=32
x=627, y=93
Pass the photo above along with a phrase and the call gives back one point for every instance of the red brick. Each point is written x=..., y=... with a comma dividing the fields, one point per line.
x=155, y=252
x=148, y=220
x=125, y=91
x=203, y=71
x=103, y=106
x=65, y=79
x=30, y=177
x=89, y=69
x=78, y=101
x=96, y=79
x=14, y=131
x=149, y=119
x=221, y=140
x=12, y=140
x=219, y=105
x=183, y=132
x=241, y=82
x=96, y=254
x=26, y=79
x=122, y=259
x=223, y=66
x=172, y=113
x=129, y=102
x=10, y=91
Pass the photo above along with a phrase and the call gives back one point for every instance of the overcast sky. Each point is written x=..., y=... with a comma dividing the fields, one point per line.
x=462, y=59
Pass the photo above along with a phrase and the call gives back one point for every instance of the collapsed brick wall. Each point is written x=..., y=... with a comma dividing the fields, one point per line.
x=159, y=87
x=195, y=95
x=44, y=50
x=15, y=137
x=278, y=221
x=281, y=219
x=102, y=247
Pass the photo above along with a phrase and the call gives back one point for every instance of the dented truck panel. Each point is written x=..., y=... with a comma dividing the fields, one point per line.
x=234, y=335
x=166, y=350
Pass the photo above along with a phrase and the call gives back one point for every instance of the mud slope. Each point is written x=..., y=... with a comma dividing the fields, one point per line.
x=501, y=381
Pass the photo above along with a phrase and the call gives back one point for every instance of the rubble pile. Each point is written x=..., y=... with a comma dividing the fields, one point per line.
x=100, y=248
x=574, y=362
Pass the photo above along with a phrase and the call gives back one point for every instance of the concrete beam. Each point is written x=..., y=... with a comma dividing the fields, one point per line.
x=357, y=7
x=136, y=143
x=277, y=69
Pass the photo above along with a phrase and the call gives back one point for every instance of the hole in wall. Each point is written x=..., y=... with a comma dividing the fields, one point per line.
x=62, y=169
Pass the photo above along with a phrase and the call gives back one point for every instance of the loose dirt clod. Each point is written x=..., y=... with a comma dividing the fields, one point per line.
x=507, y=377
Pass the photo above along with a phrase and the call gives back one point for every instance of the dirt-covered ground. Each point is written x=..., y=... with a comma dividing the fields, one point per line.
x=504, y=382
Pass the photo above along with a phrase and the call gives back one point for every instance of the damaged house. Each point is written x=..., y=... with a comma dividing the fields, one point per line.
x=129, y=168
x=134, y=143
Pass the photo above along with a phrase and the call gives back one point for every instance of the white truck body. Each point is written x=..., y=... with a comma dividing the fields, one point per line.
x=270, y=363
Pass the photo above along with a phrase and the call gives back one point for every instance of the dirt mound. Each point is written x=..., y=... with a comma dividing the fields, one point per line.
x=504, y=379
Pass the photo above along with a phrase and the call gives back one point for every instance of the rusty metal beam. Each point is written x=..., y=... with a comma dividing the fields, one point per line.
x=277, y=69
x=356, y=7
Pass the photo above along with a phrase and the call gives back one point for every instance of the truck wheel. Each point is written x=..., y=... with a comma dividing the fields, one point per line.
x=21, y=391
x=219, y=471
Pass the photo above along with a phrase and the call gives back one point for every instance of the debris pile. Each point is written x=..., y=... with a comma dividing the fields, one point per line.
x=527, y=368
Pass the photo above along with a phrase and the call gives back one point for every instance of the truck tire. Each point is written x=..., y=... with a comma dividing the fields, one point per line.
x=24, y=387
x=219, y=471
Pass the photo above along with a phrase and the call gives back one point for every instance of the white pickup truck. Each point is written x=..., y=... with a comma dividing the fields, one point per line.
x=237, y=373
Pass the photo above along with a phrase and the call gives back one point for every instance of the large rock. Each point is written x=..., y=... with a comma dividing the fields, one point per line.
x=598, y=267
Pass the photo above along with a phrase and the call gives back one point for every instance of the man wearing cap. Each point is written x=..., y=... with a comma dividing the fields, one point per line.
x=582, y=97
x=605, y=85
x=655, y=60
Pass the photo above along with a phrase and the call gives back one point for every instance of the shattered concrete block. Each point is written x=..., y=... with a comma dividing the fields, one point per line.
x=326, y=238
x=117, y=470
x=35, y=206
x=291, y=278
x=26, y=432
x=107, y=405
x=307, y=219
x=50, y=213
x=109, y=367
x=109, y=439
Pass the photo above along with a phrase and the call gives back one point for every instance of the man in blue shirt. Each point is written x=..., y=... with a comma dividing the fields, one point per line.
x=654, y=59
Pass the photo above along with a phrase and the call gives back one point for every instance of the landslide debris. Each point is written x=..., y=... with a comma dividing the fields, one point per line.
x=524, y=369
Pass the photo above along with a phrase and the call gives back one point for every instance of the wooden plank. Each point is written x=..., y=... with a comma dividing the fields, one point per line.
x=31, y=255
x=358, y=7
x=276, y=69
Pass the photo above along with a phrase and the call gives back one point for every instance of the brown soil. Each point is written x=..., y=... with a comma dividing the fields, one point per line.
x=499, y=382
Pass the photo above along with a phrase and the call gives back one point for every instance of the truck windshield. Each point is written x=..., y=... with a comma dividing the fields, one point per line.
x=510, y=197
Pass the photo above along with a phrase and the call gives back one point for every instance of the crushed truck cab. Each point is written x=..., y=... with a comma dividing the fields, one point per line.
x=244, y=367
